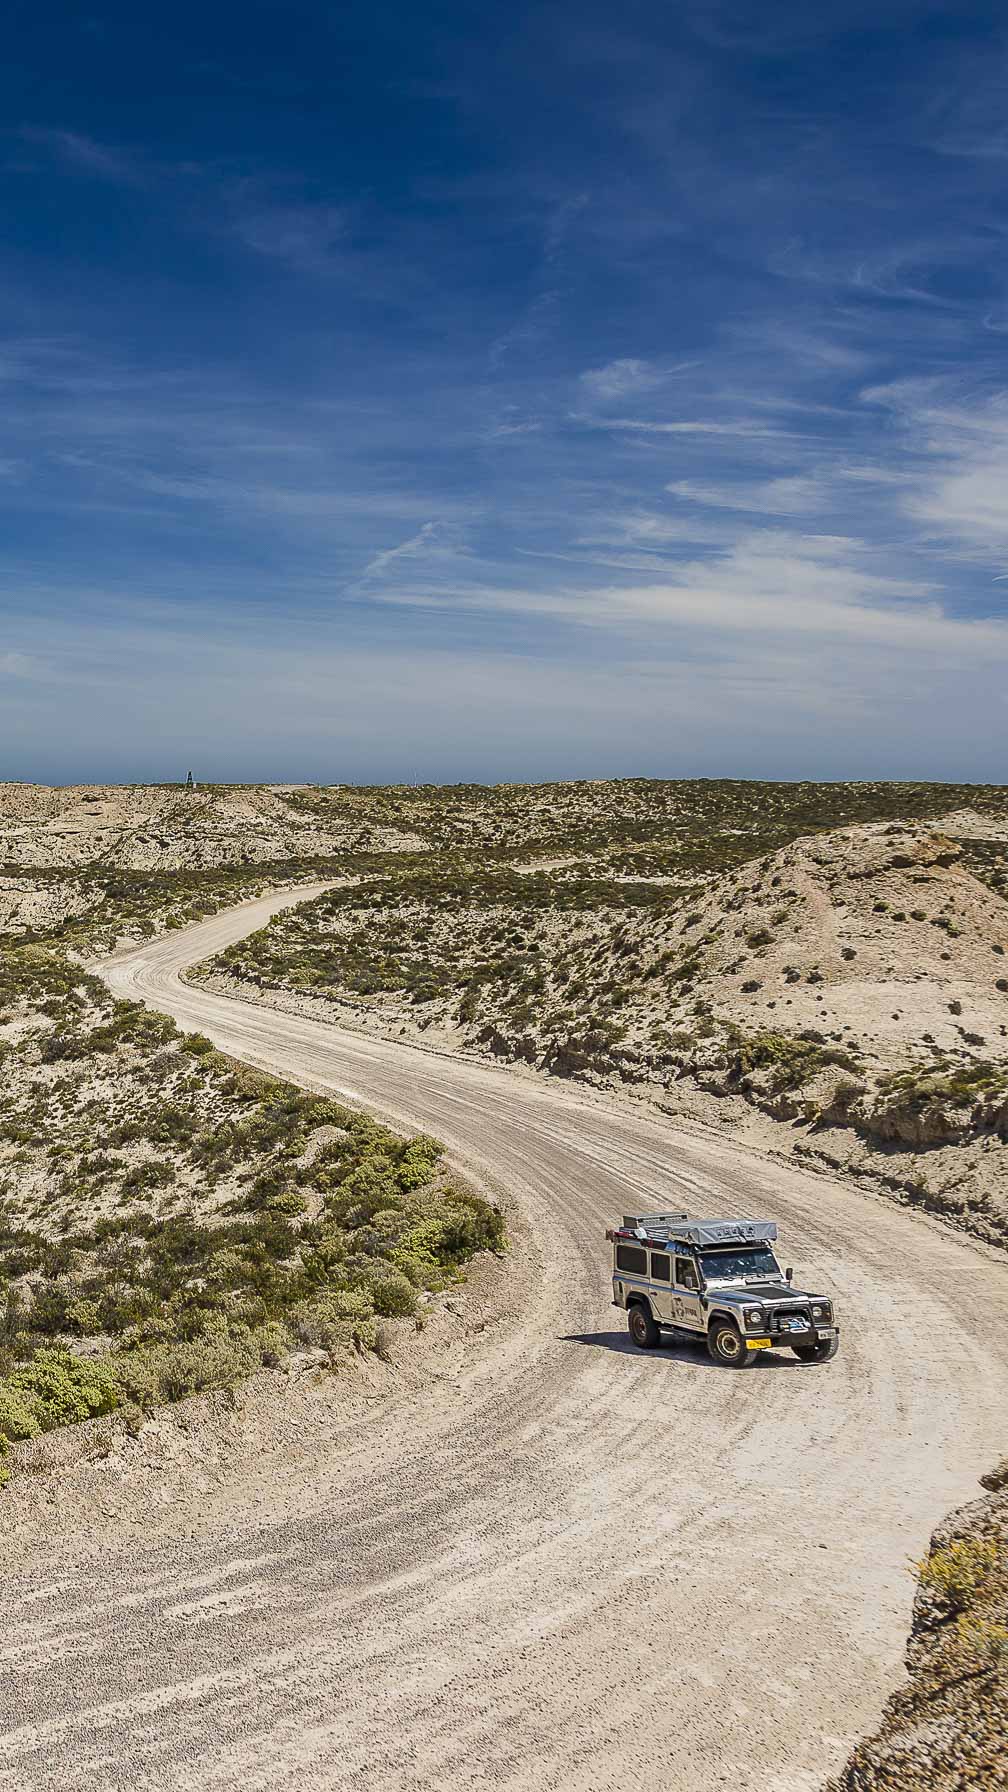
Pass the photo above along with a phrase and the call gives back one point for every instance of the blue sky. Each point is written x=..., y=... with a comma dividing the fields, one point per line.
x=457, y=392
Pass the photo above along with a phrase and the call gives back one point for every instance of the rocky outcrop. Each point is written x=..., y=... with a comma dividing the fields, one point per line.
x=946, y=1730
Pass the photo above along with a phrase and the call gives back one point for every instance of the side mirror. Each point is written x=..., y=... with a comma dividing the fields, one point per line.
x=789, y=1275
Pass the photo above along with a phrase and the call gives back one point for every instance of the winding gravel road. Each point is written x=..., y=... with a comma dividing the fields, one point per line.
x=590, y=1568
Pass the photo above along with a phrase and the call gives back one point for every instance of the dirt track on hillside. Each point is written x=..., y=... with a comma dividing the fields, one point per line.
x=589, y=1568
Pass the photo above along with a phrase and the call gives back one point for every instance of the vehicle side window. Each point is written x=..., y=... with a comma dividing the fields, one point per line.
x=685, y=1273
x=629, y=1256
x=661, y=1266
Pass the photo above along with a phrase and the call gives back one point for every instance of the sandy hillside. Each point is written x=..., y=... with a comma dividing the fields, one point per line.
x=36, y=906
x=856, y=980
x=876, y=936
x=170, y=1220
x=169, y=827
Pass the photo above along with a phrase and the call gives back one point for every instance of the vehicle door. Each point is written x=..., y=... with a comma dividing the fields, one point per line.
x=685, y=1308
x=630, y=1272
x=661, y=1284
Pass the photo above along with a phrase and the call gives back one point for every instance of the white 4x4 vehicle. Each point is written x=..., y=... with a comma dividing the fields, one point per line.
x=719, y=1280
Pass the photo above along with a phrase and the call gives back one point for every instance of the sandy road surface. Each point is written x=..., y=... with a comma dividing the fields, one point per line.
x=591, y=1568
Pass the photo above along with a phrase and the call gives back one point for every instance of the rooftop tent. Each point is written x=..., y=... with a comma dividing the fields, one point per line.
x=703, y=1234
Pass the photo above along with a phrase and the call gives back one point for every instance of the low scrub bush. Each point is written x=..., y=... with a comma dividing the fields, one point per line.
x=330, y=1222
x=792, y=1062
x=56, y=1388
x=957, y=1571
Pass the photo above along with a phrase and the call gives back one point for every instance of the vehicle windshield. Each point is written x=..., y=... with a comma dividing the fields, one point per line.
x=737, y=1266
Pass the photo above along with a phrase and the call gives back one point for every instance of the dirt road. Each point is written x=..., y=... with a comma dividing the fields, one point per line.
x=585, y=1569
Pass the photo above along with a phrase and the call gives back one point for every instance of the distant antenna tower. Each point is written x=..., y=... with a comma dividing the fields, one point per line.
x=189, y=782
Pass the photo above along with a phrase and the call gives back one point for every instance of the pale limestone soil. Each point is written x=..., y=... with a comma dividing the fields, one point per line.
x=874, y=938
x=946, y=1728
x=167, y=828
x=586, y=1568
x=963, y=1181
x=24, y=904
x=874, y=941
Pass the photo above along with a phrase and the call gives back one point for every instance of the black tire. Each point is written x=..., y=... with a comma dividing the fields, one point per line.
x=641, y=1325
x=727, y=1346
x=820, y=1352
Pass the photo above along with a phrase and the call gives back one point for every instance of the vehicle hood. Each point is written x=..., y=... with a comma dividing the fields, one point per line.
x=763, y=1294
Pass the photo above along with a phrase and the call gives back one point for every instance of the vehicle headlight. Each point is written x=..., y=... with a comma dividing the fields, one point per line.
x=821, y=1311
x=754, y=1316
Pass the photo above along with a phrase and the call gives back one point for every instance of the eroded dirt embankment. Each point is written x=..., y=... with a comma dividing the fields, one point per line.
x=216, y=1458
x=851, y=986
x=960, y=1179
x=946, y=1729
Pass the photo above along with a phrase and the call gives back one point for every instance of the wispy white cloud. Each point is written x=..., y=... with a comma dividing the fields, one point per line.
x=517, y=426
x=820, y=349
x=768, y=585
x=957, y=488
x=307, y=237
x=151, y=690
x=534, y=323
x=619, y=378
x=739, y=428
x=560, y=223
x=965, y=116
x=655, y=532
x=379, y=563
x=84, y=153
x=770, y=497
x=17, y=665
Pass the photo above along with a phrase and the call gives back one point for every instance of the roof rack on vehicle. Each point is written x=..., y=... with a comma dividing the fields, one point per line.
x=647, y=1220
x=665, y=1228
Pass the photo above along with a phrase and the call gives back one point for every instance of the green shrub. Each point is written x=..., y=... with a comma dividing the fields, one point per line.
x=845, y=1094
x=791, y=1061
x=418, y=1163
x=17, y=1420
x=335, y=1322
x=984, y=1640
x=273, y=1341
x=56, y=1388
x=393, y=1294
x=957, y=1571
x=81, y=1316
x=167, y=1372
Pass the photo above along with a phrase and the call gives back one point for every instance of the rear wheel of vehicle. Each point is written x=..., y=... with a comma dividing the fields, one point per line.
x=643, y=1329
x=819, y=1352
x=727, y=1345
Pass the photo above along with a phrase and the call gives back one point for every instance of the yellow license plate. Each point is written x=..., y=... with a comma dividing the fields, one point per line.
x=757, y=1344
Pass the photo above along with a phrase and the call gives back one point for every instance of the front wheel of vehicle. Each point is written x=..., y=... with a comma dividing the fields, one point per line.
x=727, y=1346
x=819, y=1352
x=643, y=1329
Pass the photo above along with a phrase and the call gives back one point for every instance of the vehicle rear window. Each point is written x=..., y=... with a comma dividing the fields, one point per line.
x=661, y=1266
x=628, y=1256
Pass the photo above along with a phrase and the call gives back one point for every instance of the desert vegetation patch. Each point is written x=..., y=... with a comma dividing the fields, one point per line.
x=171, y=1220
x=851, y=979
